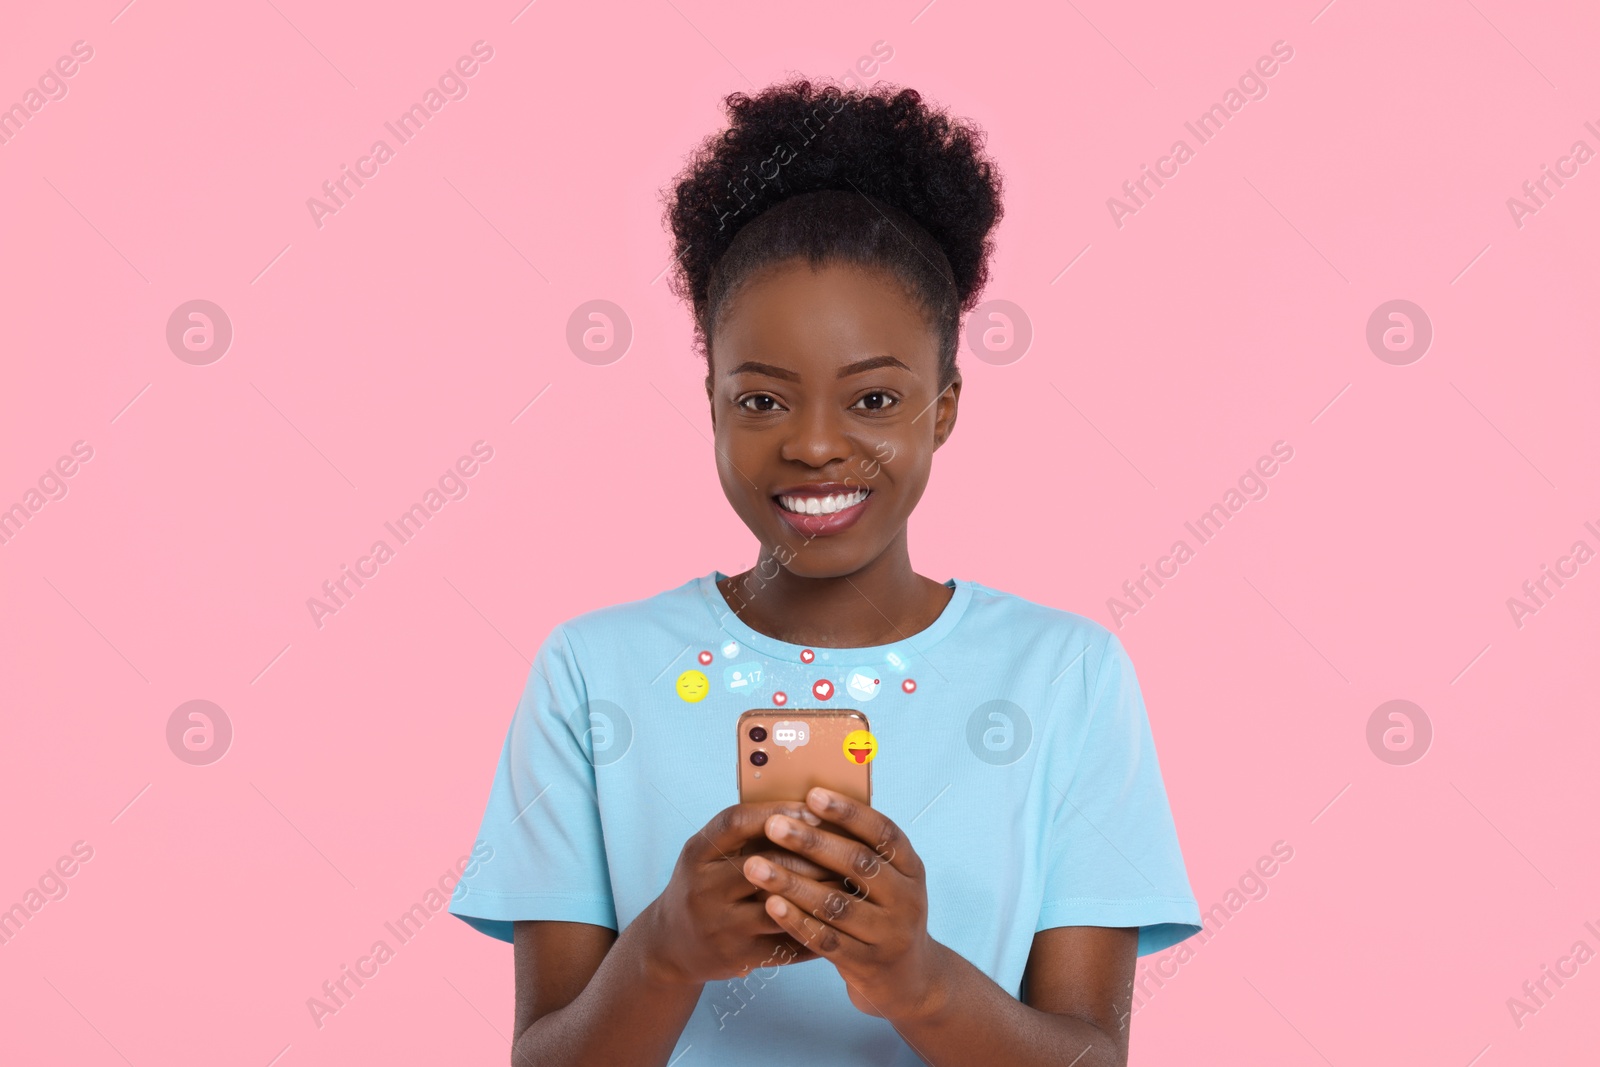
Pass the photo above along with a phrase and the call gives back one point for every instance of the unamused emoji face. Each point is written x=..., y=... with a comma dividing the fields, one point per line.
x=693, y=686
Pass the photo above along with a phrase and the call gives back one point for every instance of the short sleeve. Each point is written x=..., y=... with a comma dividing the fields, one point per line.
x=541, y=828
x=1113, y=854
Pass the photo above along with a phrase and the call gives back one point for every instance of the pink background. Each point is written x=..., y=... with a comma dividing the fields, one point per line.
x=1227, y=314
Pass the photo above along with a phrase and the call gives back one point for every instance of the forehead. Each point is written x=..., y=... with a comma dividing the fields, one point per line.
x=803, y=316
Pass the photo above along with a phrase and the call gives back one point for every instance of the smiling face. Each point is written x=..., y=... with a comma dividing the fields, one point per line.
x=860, y=747
x=827, y=405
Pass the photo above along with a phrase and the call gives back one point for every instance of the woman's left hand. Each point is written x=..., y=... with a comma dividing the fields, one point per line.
x=876, y=931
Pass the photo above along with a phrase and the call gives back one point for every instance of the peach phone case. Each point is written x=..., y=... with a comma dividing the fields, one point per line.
x=821, y=761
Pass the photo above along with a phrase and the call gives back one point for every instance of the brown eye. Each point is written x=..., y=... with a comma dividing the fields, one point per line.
x=760, y=402
x=876, y=401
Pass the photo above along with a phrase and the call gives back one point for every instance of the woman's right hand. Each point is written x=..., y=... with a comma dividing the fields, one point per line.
x=710, y=923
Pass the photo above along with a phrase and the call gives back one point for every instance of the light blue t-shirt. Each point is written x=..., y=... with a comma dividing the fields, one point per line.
x=1013, y=751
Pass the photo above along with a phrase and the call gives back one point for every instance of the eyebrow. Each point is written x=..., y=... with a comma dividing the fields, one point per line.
x=874, y=363
x=871, y=364
x=768, y=369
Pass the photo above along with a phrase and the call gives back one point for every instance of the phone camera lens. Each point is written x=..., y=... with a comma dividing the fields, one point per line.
x=758, y=757
x=758, y=734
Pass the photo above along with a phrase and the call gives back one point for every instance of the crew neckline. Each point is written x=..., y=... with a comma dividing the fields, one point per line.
x=916, y=644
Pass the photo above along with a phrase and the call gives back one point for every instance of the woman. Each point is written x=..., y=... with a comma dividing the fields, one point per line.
x=1019, y=851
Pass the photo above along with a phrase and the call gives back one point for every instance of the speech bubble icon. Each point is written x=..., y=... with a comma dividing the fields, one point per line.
x=791, y=735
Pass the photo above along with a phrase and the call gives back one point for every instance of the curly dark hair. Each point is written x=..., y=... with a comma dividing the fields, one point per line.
x=874, y=177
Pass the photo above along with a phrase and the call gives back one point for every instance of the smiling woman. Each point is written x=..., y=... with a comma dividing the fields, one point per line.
x=821, y=436
x=810, y=928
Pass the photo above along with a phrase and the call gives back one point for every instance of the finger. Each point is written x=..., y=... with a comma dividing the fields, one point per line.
x=863, y=868
x=749, y=919
x=789, y=861
x=738, y=887
x=873, y=827
x=847, y=912
x=822, y=938
x=730, y=828
x=758, y=895
x=796, y=863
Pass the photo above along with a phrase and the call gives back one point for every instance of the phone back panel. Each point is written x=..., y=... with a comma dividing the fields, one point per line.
x=821, y=761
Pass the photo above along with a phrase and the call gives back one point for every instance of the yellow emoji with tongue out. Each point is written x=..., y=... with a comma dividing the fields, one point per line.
x=860, y=747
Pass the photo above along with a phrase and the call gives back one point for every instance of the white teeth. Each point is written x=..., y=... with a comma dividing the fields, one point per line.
x=822, y=505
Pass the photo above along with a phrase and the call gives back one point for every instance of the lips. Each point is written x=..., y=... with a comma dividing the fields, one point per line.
x=822, y=508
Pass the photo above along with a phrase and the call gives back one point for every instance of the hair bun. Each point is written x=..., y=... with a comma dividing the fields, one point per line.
x=885, y=143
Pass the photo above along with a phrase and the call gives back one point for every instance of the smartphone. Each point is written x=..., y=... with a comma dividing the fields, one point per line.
x=784, y=752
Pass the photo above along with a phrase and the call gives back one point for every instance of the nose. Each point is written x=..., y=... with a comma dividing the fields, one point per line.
x=817, y=438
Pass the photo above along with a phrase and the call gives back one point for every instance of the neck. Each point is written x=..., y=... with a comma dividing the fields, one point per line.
x=883, y=602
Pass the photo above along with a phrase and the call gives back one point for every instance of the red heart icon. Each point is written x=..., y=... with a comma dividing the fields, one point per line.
x=705, y=657
x=780, y=698
x=806, y=655
x=822, y=690
x=909, y=685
